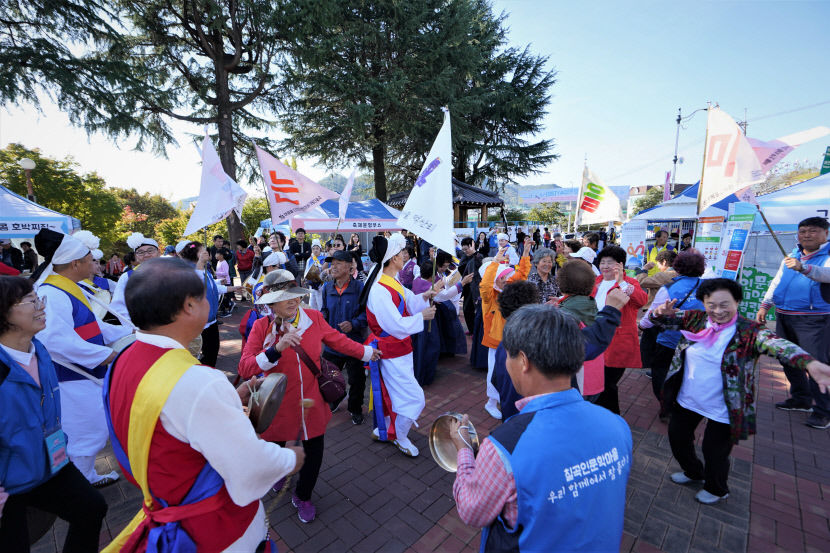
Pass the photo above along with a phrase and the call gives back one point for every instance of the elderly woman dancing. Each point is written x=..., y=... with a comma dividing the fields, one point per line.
x=713, y=376
x=542, y=275
x=290, y=341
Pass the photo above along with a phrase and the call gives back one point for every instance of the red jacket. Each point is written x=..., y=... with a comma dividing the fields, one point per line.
x=245, y=260
x=624, y=350
x=301, y=382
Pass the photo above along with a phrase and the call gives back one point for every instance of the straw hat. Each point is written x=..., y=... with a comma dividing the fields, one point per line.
x=281, y=286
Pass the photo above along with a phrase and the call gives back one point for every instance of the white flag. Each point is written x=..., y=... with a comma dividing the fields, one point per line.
x=597, y=202
x=218, y=193
x=345, y=196
x=428, y=210
x=289, y=192
x=730, y=162
x=770, y=153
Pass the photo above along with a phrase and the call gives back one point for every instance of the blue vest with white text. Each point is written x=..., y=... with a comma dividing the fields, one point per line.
x=570, y=460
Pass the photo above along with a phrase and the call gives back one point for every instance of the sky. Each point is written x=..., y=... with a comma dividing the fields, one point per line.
x=623, y=70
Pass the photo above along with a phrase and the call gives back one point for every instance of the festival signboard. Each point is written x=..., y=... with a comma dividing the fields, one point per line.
x=708, y=237
x=730, y=254
x=633, y=239
x=548, y=195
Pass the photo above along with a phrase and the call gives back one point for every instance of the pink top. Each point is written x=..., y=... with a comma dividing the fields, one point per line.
x=27, y=360
x=223, y=272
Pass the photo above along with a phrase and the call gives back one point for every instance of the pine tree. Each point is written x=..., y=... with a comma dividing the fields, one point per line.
x=366, y=82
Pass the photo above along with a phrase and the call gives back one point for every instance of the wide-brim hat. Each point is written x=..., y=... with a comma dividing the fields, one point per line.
x=290, y=290
x=283, y=295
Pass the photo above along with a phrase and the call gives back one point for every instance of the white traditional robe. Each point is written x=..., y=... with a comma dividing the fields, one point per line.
x=398, y=374
x=82, y=406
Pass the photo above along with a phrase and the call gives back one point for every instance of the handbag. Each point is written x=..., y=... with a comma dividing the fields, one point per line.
x=330, y=380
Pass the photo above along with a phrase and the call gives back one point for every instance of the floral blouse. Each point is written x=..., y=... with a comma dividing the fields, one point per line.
x=547, y=290
x=750, y=341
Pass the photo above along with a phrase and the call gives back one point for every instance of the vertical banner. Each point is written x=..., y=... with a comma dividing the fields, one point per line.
x=825, y=167
x=733, y=246
x=708, y=237
x=633, y=240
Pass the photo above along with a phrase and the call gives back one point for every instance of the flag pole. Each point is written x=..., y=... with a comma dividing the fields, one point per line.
x=431, y=302
x=772, y=233
x=702, y=170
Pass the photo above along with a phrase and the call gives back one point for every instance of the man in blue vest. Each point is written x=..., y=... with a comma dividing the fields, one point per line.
x=552, y=477
x=800, y=292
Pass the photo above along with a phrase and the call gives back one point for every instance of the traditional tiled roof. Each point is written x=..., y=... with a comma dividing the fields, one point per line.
x=462, y=193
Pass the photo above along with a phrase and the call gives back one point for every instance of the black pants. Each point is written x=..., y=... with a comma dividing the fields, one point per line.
x=68, y=495
x=660, y=364
x=356, y=375
x=210, y=345
x=610, y=397
x=812, y=334
x=717, y=444
x=469, y=308
x=313, y=448
x=648, y=343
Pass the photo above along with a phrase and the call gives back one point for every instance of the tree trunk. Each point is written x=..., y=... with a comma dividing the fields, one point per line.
x=379, y=165
x=226, y=143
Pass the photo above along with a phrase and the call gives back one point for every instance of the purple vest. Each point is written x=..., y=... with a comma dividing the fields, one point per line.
x=407, y=274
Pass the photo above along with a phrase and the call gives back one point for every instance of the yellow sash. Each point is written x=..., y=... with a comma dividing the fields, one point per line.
x=59, y=281
x=392, y=283
x=150, y=397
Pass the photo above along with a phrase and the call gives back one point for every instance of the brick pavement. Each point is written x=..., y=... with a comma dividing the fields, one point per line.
x=370, y=498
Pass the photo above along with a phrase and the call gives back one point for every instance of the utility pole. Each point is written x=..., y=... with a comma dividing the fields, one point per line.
x=676, y=143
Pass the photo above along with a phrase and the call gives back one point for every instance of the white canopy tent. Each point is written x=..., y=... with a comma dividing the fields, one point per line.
x=22, y=218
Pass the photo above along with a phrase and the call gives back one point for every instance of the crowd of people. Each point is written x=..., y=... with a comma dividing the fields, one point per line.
x=124, y=350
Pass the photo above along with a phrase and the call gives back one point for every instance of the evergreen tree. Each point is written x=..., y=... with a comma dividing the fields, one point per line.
x=201, y=61
x=371, y=78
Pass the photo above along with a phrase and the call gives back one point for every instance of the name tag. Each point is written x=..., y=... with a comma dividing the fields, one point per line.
x=56, y=447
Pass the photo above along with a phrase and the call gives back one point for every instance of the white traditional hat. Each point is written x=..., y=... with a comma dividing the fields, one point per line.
x=316, y=242
x=280, y=279
x=136, y=240
x=69, y=250
x=502, y=236
x=90, y=241
x=275, y=258
x=394, y=245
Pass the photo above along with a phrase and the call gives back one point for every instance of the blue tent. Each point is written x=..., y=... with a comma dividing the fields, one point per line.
x=684, y=207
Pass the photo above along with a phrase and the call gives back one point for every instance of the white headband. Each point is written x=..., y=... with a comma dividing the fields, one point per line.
x=394, y=245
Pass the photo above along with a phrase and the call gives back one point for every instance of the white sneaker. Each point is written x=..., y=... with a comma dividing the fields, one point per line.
x=492, y=409
x=709, y=499
x=681, y=478
x=407, y=447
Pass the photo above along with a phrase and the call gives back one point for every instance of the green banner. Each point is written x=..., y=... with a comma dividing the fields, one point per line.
x=755, y=284
x=825, y=167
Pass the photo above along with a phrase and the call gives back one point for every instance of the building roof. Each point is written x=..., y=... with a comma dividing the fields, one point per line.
x=462, y=193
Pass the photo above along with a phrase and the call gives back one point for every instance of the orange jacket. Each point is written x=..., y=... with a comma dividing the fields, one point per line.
x=491, y=316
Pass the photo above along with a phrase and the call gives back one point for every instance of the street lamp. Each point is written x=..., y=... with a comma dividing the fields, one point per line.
x=27, y=165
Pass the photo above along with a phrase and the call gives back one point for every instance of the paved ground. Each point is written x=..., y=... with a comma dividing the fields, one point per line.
x=370, y=498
